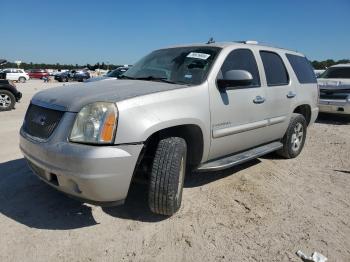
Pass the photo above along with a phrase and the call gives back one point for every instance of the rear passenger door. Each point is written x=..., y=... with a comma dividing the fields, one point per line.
x=280, y=93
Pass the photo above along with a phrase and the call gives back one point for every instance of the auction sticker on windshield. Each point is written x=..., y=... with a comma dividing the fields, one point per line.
x=198, y=55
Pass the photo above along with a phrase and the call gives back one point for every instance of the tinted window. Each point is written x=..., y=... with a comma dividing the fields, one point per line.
x=302, y=68
x=336, y=72
x=38, y=71
x=242, y=59
x=276, y=72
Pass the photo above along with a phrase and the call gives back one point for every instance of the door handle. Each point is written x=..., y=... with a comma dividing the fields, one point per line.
x=291, y=94
x=259, y=100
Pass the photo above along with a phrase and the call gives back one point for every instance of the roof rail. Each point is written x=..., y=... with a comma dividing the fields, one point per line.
x=251, y=42
x=263, y=44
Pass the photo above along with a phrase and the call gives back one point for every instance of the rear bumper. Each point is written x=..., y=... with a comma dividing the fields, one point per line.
x=96, y=174
x=334, y=106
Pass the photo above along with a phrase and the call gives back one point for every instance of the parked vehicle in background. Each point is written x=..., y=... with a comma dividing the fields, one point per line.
x=16, y=74
x=200, y=107
x=117, y=72
x=114, y=74
x=334, y=86
x=319, y=72
x=38, y=73
x=72, y=75
x=9, y=95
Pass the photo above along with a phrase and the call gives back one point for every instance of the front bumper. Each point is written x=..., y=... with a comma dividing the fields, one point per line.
x=96, y=174
x=18, y=96
x=334, y=106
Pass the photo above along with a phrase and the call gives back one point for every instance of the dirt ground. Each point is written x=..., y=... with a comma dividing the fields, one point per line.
x=265, y=210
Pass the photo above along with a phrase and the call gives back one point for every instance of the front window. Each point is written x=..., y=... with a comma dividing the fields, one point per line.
x=181, y=65
x=336, y=72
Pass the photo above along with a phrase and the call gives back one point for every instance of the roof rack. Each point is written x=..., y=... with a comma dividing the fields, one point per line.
x=253, y=42
x=248, y=42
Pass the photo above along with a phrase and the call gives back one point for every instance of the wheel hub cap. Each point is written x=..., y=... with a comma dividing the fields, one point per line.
x=5, y=100
x=297, y=136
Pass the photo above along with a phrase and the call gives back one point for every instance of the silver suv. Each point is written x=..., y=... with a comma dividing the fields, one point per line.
x=200, y=107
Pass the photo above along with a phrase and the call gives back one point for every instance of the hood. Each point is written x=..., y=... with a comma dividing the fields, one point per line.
x=333, y=84
x=73, y=97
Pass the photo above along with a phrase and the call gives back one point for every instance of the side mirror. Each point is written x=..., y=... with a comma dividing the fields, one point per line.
x=234, y=78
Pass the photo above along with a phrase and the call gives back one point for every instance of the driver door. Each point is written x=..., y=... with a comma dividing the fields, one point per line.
x=238, y=114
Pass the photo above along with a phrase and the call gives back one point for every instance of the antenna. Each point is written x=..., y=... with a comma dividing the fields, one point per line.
x=211, y=41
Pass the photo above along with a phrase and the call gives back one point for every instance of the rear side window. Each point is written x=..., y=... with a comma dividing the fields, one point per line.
x=302, y=68
x=242, y=59
x=275, y=70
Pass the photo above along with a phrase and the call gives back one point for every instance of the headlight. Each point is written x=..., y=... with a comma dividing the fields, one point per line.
x=95, y=123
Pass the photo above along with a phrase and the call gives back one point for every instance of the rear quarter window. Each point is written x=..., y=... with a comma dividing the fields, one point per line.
x=302, y=69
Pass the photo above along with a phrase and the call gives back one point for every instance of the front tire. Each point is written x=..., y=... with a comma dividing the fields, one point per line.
x=294, y=139
x=7, y=100
x=22, y=79
x=167, y=176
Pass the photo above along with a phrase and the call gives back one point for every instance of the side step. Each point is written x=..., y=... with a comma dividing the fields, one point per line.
x=232, y=160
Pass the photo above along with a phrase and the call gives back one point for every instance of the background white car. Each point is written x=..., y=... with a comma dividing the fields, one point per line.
x=16, y=74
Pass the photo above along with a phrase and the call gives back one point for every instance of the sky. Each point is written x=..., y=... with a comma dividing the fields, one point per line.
x=121, y=32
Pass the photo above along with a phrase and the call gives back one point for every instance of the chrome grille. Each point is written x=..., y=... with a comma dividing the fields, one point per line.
x=334, y=96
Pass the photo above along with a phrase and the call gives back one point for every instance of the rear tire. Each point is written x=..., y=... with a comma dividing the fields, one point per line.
x=7, y=100
x=22, y=79
x=167, y=176
x=294, y=139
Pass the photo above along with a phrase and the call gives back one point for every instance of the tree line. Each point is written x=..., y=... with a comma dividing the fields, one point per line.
x=316, y=64
x=59, y=66
x=327, y=63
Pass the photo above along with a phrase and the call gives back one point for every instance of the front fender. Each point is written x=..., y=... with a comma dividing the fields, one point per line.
x=141, y=117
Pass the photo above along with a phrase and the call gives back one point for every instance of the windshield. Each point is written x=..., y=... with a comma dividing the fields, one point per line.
x=181, y=65
x=336, y=72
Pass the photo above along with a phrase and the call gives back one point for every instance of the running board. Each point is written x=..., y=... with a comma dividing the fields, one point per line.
x=232, y=160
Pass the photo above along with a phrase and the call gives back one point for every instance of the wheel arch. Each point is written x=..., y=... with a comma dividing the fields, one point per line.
x=305, y=110
x=192, y=134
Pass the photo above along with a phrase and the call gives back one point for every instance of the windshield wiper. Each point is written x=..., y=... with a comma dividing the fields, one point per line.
x=160, y=79
x=153, y=78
